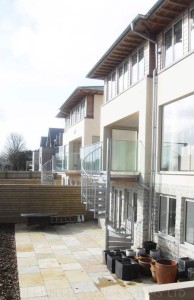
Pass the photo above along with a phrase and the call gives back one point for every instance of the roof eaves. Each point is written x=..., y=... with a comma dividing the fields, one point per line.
x=80, y=88
x=123, y=34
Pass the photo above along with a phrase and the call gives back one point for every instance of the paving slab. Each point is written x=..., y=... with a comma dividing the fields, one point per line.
x=65, y=262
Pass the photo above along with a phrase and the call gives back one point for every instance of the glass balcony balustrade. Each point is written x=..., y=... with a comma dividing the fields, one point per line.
x=125, y=156
x=66, y=162
x=91, y=158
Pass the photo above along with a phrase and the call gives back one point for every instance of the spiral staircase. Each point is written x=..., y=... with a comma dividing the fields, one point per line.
x=95, y=194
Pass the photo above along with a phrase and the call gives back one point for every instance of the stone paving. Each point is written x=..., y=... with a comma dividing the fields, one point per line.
x=65, y=262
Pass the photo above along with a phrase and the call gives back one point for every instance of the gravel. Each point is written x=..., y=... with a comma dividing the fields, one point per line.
x=9, y=283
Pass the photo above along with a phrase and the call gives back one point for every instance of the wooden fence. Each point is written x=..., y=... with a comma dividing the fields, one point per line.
x=17, y=199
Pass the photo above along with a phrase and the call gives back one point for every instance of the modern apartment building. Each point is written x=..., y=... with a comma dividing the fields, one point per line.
x=81, y=112
x=147, y=128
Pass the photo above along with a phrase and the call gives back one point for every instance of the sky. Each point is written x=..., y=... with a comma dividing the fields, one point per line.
x=47, y=47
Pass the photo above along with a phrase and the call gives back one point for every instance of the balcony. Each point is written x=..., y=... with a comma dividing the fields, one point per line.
x=64, y=162
x=125, y=156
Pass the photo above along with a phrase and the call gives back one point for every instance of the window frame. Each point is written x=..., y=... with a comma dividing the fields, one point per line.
x=185, y=219
x=110, y=85
x=172, y=28
x=190, y=30
x=113, y=88
x=122, y=66
x=160, y=166
x=167, y=222
x=138, y=77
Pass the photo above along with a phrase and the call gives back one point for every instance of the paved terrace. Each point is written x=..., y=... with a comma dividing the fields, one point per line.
x=65, y=262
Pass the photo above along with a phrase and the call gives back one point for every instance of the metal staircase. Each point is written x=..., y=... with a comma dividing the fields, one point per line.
x=95, y=194
x=47, y=176
x=120, y=236
x=93, y=181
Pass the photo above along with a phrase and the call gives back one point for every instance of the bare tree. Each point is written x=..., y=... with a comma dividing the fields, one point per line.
x=11, y=155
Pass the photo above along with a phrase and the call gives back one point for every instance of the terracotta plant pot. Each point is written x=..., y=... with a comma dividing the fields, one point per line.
x=144, y=263
x=166, y=270
x=153, y=270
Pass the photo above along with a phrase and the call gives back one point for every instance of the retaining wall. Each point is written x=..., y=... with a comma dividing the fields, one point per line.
x=17, y=199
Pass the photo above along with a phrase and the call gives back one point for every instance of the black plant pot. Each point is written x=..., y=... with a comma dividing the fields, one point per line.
x=106, y=252
x=149, y=245
x=111, y=258
x=185, y=262
x=126, y=269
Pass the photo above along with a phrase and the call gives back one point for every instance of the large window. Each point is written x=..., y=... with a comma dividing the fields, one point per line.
x=177, y=136
x=173, y=43
x=123, y=74
x=137, y=68
x=192, y=29
x=189, y=222
x=128, y=72
x=111, y=86
x=167, y=215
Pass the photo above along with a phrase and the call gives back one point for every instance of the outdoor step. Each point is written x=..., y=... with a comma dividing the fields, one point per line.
x=120, y=238
x=120, y=245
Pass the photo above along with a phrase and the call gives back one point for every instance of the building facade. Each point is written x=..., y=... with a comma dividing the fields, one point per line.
x=81, y=113
x=147, y=122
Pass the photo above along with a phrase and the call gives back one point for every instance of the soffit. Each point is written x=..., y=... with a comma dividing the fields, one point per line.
x=155, y=21
x=76, y=97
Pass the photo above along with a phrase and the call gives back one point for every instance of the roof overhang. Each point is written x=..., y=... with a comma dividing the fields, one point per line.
x=149, y=25
x=78, y=94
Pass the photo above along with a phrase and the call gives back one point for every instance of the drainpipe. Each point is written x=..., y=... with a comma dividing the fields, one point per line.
x=154, y=125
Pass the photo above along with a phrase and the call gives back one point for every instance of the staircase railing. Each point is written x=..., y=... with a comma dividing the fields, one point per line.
x=47, y=176
x=125, y=228
x=92, y=181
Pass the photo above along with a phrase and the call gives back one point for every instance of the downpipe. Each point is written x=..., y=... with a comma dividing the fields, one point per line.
x=154, y=127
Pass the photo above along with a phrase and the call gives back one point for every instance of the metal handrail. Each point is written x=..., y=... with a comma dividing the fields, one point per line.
x=47, y=176
x=89, y=183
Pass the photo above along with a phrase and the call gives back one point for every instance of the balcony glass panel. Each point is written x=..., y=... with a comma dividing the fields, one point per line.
x=124, y=155
x=91, y=158
x=67, y=162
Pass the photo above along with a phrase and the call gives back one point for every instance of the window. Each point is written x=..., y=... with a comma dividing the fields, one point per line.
x=137, y=68
x=192, y=29
x=167, y=215
x=173, y=43
x=76, y=114
x=130, y=206
x=135, y=206
x=177, y=153
x=189, y=222
x=120, y=80
x=126, y=74
x=123, y=73
x=134, y=69
x=111, y=86
x=141, y=64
